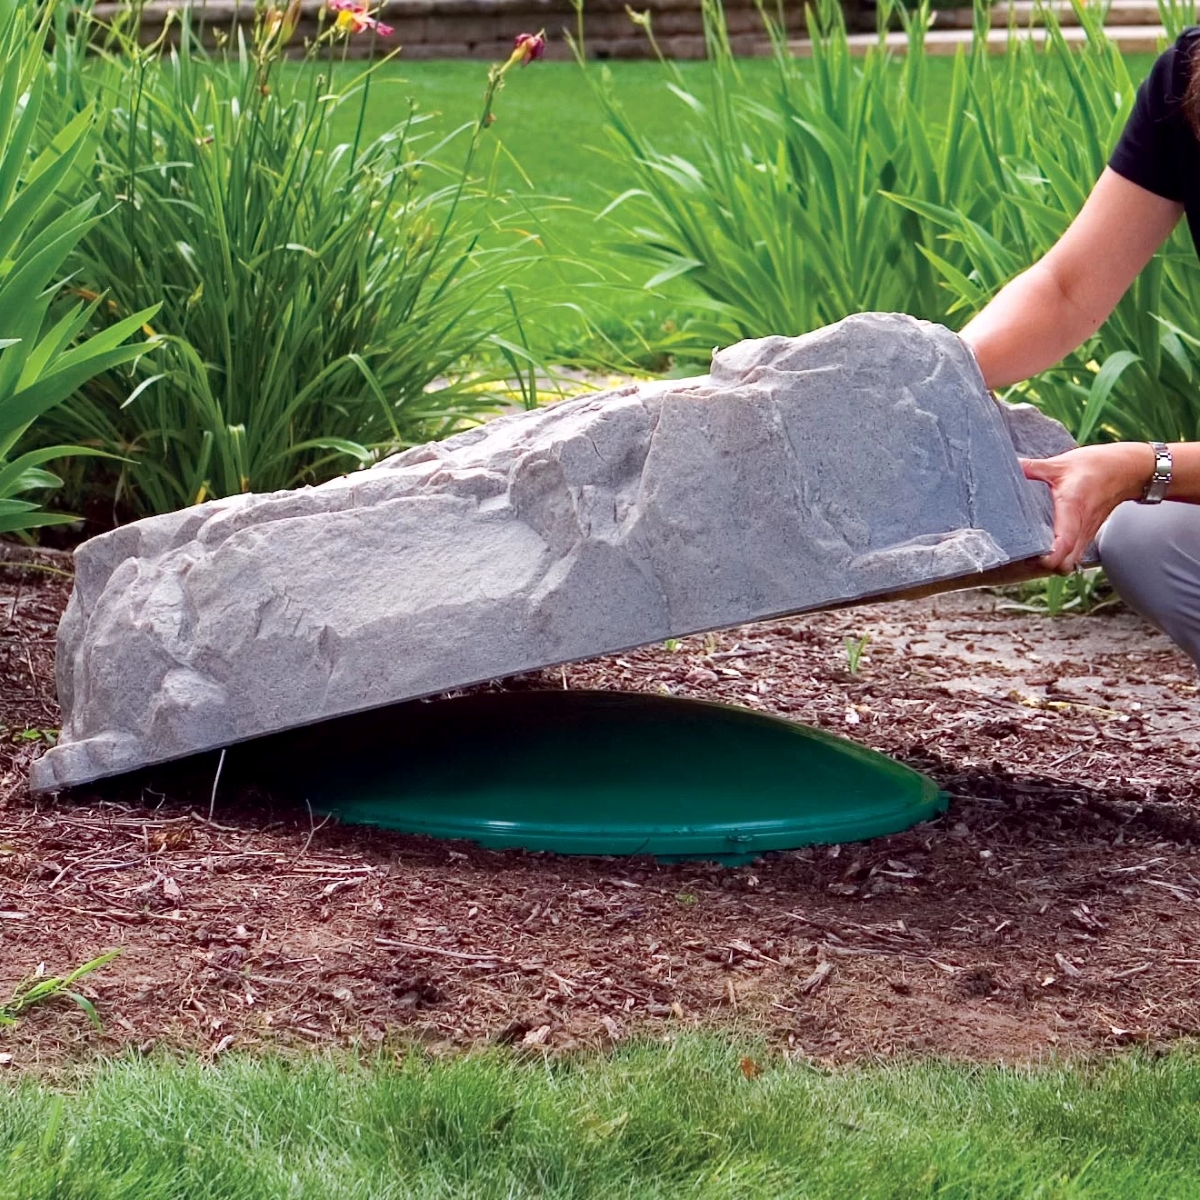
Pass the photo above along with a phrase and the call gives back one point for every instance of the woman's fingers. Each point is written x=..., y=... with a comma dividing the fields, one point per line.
x=1071, y=519
x=1066, y=551
x=1045, y=469
x=1087, y=483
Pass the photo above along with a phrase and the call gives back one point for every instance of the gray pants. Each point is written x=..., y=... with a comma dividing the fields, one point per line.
x=1151, y=553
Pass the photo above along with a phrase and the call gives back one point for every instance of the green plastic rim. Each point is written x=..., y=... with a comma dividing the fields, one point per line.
x=606, y=773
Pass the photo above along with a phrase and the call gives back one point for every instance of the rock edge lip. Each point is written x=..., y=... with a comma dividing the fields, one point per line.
x=1016, y=571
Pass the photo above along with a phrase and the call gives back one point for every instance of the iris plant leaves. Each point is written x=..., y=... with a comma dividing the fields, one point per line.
x=44, y=353
x=843, y=192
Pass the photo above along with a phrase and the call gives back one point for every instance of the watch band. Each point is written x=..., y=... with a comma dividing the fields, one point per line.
x=1156, y=489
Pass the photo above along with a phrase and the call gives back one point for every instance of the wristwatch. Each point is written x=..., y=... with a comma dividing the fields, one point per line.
x=1156, y=489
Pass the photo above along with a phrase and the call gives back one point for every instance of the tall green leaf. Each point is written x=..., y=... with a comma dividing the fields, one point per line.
x=43, y=357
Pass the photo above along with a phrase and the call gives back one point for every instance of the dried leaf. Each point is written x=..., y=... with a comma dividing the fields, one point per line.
x=1128, y=1035
x=750, y=1068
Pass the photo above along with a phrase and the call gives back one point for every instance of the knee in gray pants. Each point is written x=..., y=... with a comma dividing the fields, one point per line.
x=1151, y=552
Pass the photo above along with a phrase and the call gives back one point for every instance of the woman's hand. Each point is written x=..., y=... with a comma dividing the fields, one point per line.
x=1087, y=484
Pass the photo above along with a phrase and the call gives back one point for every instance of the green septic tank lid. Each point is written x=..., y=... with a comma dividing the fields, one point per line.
x=609, y=773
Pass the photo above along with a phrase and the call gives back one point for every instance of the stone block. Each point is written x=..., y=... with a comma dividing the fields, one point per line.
x=407, y=10
x=684, y=47
x=632, y=47
x=859, y=460
x=458, y=28
x=611, y=25
x=468, y=29
x=680, y=21
x=409, y=30
x=743, y=20
x=595, y=25
x=750, y=45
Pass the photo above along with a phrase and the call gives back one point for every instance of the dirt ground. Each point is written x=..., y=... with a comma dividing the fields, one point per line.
x=1054, y=909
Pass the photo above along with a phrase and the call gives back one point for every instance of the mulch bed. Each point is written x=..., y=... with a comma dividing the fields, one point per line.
x=1054, y=909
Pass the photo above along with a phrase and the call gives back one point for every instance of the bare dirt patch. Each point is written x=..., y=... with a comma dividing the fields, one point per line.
x=1055, y=908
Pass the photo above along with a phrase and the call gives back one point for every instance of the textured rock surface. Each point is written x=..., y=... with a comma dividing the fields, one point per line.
x=863, y=459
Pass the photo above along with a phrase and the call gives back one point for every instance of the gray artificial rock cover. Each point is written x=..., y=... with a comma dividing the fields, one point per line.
x=860, y=460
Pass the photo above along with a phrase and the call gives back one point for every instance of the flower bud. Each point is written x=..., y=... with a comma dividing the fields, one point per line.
x=527, y=47
x=291, y=18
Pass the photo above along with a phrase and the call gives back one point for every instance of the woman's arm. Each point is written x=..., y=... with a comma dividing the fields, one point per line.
x=1043, y=314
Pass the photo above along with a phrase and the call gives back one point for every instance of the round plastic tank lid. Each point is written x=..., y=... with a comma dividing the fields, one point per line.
x=605, y=773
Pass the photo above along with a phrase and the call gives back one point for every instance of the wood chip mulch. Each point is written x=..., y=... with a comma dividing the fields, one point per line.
x=1054, y=909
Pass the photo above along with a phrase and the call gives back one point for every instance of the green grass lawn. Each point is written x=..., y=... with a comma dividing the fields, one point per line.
x=549, y=123
x=548, y=148
x=650, y=1121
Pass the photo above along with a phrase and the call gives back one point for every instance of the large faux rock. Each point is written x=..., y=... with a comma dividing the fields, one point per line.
x=861, y=460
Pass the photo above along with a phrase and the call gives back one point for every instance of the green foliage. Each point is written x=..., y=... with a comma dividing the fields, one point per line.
x=855, y=648
x=1083, y=592
x=43, y=989
x=693, y=1117
x=322, y=300
x=842, y=193
x=43, y=356
x=1045, y=146
x=779, y=217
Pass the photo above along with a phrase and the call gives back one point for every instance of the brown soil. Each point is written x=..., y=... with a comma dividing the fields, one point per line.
x=1055, y=908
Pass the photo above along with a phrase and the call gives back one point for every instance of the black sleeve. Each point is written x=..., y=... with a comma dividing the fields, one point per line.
x=1153, y=150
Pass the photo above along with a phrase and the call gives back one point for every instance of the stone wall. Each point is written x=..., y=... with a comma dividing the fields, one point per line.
x=485, y=29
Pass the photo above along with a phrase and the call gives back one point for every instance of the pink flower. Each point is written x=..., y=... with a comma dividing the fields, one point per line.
x=527, y=47
x=354, y=16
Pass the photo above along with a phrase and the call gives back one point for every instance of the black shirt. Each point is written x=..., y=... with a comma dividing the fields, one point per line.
x=1158, y=149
